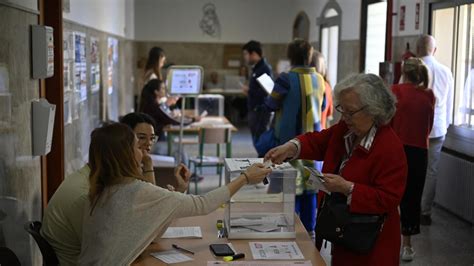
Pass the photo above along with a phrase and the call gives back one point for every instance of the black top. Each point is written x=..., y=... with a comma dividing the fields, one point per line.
x=162, y=116
x=257, y=94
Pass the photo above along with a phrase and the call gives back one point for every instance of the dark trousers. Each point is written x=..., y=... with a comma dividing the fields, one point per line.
x=410, y=206
x=258, y=122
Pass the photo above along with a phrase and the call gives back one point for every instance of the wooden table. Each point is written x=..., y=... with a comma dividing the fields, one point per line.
x=226, y=92
x=209, y=236
x=194, y=128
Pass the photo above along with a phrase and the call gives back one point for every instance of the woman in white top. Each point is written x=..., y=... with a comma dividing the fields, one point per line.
x=125, y=212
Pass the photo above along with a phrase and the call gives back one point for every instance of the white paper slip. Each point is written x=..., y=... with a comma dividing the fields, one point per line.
x=183, y=232
x=267, y=164
x=171, y=256
x=276, y=251
x=260, y=263
x=266, y=82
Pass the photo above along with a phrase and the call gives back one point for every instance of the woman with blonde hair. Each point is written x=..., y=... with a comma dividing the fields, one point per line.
x=125, y=213
x=412, y=123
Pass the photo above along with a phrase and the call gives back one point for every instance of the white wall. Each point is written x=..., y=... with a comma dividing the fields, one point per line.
x=30, y=4
x=269, y=21
x=111, y=16
x=350, y=22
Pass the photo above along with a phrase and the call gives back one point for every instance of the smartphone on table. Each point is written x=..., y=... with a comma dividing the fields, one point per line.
x=221, y=250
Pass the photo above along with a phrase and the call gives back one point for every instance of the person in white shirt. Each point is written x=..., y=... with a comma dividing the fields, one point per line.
x=442, y=84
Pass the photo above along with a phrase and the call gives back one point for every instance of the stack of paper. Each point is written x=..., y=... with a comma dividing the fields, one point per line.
x=183, y=232
x=260, y=263
x=276, y=251
x=171, y=256
x=258, y=224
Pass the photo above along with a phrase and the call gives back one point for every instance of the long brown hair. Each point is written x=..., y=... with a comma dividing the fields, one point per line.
x=416, y=72
x=111, y=158
x=152, y=65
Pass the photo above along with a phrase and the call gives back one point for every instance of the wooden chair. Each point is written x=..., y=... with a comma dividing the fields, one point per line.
x=49, y=256
x=215, y=136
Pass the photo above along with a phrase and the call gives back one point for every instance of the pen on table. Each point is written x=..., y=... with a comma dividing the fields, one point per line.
x=182, y=249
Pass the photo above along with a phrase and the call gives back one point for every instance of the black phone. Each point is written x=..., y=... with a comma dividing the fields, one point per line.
x=221, y=250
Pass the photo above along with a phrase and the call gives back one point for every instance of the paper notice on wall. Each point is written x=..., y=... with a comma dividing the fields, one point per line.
x=95, y=65
x=80, y=66
x=276, y=251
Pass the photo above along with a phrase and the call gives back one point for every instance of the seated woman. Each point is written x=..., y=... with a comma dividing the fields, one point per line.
x=143, y=126
x=364, y=163
x=62, y=219
x=153, y=102
x=124, y=213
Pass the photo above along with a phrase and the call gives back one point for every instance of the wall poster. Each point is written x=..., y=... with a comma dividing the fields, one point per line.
x=112, y=79
x=80, y=67
x=95, y=65
x=68, y=62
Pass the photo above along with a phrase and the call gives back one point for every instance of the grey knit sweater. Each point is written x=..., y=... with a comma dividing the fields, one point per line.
x=129, y=216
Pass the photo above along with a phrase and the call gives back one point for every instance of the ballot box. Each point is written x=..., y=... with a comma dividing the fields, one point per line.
x=261, y=211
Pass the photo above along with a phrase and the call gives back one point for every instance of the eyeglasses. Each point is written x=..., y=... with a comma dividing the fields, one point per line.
x=144, y=138
x=348, y=114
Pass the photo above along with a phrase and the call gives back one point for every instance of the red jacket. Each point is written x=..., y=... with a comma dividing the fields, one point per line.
x=415, y=111
x=379, y=175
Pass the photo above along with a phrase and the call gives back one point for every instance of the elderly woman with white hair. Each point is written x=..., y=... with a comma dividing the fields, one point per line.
x=364, y=169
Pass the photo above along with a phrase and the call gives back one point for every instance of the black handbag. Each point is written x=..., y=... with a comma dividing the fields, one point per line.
x=356, y=232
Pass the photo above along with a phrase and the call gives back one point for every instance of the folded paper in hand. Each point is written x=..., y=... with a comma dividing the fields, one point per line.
x=315, y=180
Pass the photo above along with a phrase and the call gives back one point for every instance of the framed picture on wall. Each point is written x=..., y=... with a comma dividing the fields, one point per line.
x=232, y=56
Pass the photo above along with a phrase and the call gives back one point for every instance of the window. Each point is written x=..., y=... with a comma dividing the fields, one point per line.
x=453, y=28
x=373, y=35
x=301, y=26
x=330, y=22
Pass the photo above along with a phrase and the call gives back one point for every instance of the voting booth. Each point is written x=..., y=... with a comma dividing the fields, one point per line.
x=261, y=211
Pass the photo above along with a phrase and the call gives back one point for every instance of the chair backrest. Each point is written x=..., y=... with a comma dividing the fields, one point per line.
x=49, y=256
x=8, y=257
x=216, y=135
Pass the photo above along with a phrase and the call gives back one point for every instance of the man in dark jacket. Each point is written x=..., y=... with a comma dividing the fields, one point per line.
x=257, y=119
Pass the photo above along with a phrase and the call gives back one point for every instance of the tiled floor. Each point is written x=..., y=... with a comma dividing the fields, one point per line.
x=448, y=241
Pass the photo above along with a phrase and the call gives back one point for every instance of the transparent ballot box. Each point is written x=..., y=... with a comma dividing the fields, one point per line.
x=261, y=211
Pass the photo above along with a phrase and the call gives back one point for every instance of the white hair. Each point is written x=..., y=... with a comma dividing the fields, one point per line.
x=372, y=93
